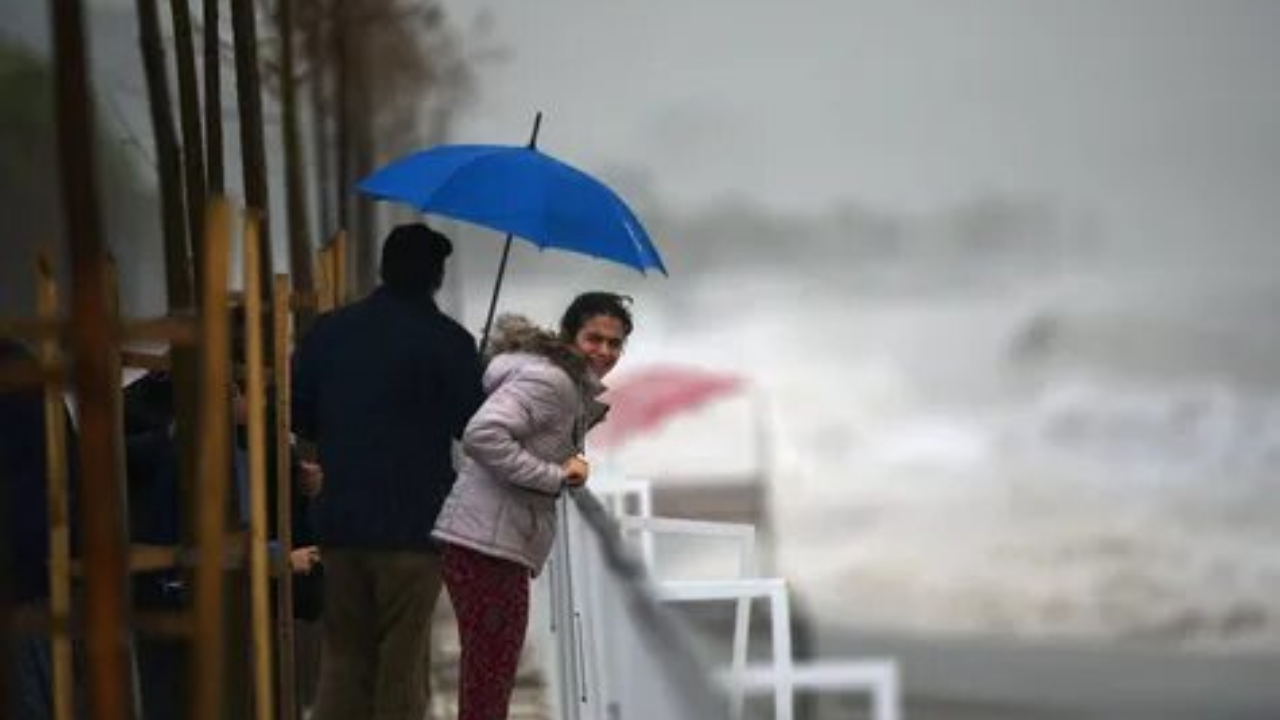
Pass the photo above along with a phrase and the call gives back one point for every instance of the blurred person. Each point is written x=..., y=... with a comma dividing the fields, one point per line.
x=23, y=472
x=382, y=387
x=156, y=517
x=522, y=449
x=307, y=478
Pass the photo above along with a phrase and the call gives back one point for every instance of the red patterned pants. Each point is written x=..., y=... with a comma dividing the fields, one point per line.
x=491, y=599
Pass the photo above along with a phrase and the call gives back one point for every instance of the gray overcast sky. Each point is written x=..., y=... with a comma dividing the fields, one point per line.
x=1159, y=118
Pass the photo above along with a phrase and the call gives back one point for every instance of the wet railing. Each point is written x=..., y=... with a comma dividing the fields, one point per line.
x=611, y=647
x=608, y=649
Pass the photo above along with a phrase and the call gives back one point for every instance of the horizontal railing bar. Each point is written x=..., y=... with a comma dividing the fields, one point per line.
x=706, y=590
x=684, y=526
x=843, y=675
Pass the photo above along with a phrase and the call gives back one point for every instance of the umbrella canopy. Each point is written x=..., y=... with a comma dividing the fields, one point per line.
x=522, y=191
x=648, y=398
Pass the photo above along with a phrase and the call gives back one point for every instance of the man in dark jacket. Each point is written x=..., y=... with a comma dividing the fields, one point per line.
x=383, y=386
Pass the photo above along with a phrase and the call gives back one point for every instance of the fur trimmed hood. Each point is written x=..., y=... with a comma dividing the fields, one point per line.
x=517, y=334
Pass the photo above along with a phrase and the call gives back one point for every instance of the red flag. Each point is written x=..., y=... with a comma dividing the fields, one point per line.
x=648, y=398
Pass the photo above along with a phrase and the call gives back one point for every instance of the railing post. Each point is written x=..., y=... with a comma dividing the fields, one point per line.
x=781, y=626
x=562, y=611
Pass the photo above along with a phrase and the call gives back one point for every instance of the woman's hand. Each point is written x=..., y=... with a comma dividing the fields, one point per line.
x=576, y=471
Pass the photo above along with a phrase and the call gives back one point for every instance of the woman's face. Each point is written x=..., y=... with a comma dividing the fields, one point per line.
x=601, y=339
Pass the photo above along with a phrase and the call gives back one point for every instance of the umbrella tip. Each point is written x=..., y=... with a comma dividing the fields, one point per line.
x=537, y=125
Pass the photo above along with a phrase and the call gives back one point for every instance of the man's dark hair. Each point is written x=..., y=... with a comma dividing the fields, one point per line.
x=590, y=304
x=413, y=258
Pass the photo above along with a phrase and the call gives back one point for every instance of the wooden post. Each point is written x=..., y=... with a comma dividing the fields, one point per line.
x=255, y=396
x=323, y=283
x=93, y=342
x=55, y=434
x=213, y=470
x=339, y=268
x=284, y=496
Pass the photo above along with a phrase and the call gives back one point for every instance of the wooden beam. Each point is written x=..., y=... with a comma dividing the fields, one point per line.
x=148, y=557
x=146, y=361
x=304, y=300
x=324, y=284
x=255, y=396
x=164, y=623
x=174, y=329
x=32, y=328
x=145, y=558
x=36, y=620
x=55, y=452
x=284, y=497
x=109, y=671
x=340, y=268
x=213, y=468
x=28, y=374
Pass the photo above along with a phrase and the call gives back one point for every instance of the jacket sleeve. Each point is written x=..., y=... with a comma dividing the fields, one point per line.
x=517, y=409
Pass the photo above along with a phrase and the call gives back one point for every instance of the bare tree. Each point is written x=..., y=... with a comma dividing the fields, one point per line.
x=252, y=146
x=315, y=31
x=177, y=249
x=213, y=98
x=295, y=190
x=109, y=673
x=189, y=107
x=384, y=76
x=340, y=32
x=419, y=64
x=177, y=245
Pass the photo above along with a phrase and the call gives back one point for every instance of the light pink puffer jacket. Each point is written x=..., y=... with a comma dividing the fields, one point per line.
x=503, y=503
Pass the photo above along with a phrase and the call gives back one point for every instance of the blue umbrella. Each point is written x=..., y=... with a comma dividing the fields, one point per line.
x=520, y=191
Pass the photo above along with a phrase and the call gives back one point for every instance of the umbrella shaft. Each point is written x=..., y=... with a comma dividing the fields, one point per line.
x=497, y=289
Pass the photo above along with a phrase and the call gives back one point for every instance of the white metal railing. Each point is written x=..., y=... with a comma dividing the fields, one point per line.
x=879, y=678
x=608, y=649
x=611, y=653
x=744, y=538
x=773, y=590
x=619, y=497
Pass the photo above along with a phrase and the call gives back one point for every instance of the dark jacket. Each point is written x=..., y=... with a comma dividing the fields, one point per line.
x=23, y=480
x=382, y=387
